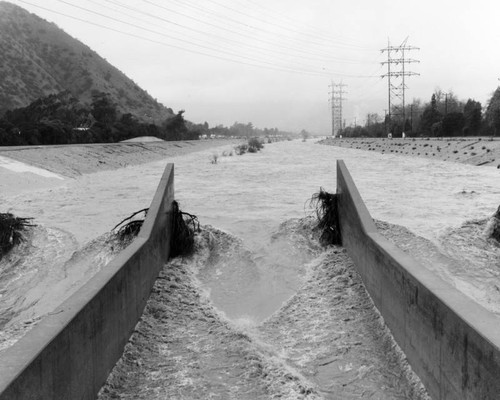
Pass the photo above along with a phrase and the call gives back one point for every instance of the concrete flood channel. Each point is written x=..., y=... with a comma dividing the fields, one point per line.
x=204, y=334
x=325, y=341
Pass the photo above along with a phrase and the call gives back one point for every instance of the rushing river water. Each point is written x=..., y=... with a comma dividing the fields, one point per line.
x=249, y=197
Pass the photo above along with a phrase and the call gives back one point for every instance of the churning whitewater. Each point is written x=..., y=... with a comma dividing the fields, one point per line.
x=42, y=272
x=203, y=334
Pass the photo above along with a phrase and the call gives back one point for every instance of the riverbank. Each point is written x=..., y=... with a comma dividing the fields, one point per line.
x=467, y=150
x=88, y=190
x=30, y=168
x=75, y=160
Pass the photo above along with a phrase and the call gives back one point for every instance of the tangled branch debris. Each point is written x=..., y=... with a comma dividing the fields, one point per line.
x=132, y=227
x=325, y=205
x=184, y=226
x=11, y=231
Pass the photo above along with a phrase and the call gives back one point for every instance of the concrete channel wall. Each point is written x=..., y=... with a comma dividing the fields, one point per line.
x=70, y=353
x=451, y=342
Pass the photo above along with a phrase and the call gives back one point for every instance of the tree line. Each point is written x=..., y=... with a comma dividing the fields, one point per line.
x=443, y=115
x=63, y=119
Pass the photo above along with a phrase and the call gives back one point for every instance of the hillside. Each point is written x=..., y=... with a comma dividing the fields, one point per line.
x=39, y=59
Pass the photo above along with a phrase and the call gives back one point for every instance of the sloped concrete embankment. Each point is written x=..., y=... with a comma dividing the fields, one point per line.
x=451, y=342
x=70, y=353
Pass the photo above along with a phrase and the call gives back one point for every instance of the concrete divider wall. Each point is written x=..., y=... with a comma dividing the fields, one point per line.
x=451, y=342
x=70, y=353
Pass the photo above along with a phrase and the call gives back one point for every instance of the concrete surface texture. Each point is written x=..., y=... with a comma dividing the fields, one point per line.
x=70, y=353
x=451, y=342
x=480, y=151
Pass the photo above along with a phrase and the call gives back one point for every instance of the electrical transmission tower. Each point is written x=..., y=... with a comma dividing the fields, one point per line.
x=336, y=98
x=396, y=74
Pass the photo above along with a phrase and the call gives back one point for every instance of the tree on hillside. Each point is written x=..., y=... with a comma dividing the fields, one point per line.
x=356, y=131
x=453, y=124
x=414, y=112
x=175, y=127
x=240, y=129
x=407, y=128
x=54, y=132
x=430, y=117
x=47, y=120
x=105, y=113
x=447, y=102
x=492, y=114
x=103, y=109
x=373, y=126
x=128, y=126
x=472, y=115
x=372, y=118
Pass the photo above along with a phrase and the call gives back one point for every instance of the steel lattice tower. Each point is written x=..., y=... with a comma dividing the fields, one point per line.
x=336, y=99
x=396, y=74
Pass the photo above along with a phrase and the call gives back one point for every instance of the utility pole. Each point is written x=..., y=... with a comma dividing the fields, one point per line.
x=411, y=118
x=385, y=120
x=336, y=100
x=396, y=77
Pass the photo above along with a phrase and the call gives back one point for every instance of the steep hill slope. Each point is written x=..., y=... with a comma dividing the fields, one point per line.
x=38, y=59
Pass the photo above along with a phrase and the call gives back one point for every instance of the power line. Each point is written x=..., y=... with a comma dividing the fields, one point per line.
x=153, y=40
x=320, y=35
x=307, y=52
x=260, y=20
x=225, y=52
x=204, y=33
x=254, y=63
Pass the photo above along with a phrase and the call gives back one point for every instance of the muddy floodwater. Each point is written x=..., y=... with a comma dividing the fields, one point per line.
x=260, y=310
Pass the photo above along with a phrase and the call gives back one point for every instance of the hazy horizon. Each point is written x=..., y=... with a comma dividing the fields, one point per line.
x=271, y=63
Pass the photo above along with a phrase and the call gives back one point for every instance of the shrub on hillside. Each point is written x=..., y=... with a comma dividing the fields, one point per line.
x=241, y=149
x=254, y=145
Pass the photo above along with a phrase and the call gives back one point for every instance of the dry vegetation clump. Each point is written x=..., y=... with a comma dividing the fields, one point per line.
x=325, y=205
x=11, y=231
x=131, y=225
x=184, y=226
x=241, y=149
x=495, y=225
x=253, y=146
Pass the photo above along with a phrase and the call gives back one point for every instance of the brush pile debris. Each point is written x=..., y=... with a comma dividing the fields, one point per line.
x=184, y=227
x=325, y=205
x=131, y=225
x=11, y=231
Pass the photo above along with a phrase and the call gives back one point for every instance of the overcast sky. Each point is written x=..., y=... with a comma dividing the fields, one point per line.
x=271, y=62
